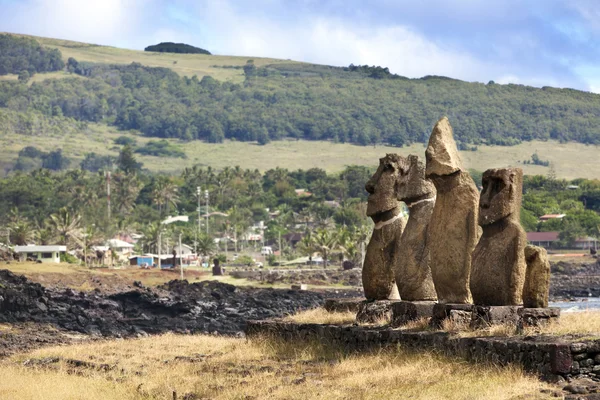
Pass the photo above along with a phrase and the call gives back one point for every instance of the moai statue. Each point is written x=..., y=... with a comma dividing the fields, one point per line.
x=385, y=210
x=498, y=271
x=217, y=270
x=453, y=230
x=413, y=273
x=537, y=278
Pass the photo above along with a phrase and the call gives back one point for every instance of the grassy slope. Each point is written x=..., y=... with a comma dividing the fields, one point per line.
x=571, y=160
x=183, y=64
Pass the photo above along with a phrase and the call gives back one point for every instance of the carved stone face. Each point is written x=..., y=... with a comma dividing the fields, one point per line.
x=442, y=154
x=501, y=194
x=411, y=185
x=382, y=185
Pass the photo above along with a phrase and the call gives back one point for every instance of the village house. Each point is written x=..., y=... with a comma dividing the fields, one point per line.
x=45, y=254
x=546, y=240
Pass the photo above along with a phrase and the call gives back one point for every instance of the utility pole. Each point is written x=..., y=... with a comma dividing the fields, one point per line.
x=180, y=257
x=280, y=249
x=107, y=173
x=206, y=195
x=159, y=245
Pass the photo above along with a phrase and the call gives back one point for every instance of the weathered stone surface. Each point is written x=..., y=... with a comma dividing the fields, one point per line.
x=537, y=278
x=342, y=305
x=385, y=210
x=406, y=311
x=413, y=272
x=561, y=360
x=537, y=317
x=484, y=316
x=453, y=231
x=372, y=312
x=498, y=264
x=455, y=312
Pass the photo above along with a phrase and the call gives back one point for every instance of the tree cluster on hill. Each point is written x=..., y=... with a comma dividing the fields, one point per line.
x=31, y=158
x=308, y=102
x=21, y=54
x=170, y=47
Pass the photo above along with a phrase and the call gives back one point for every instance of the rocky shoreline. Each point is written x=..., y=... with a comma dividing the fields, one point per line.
x=178, y=306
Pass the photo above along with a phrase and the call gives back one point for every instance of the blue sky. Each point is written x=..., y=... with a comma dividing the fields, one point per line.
x=534, y=42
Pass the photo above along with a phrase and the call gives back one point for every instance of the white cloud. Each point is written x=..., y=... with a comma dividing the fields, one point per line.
x=338, y=42
x=94, y=21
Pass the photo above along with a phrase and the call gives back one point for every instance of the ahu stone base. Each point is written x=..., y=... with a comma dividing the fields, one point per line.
x=343, y=305
x=404, y=312
x=457, y=314
x=536, y=317
x=375, y=312
x=485, y=316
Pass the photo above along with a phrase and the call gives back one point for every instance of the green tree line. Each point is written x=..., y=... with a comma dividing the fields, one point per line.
x=357, y=104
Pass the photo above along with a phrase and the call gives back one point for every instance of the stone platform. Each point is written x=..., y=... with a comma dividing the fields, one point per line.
x=343, y=305
x=568, y=356
x=485, y=316
x=534, y=317
x=375, y=312
x=406, y=311
x=456, y=313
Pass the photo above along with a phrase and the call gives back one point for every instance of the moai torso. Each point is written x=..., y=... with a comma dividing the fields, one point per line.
x=453, y=230
x=385, y=211
x=413, y=272
x=378, y=269
x=498, y=269
x=537, y=278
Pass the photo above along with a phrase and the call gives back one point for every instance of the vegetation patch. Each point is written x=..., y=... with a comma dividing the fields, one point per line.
x=160, y=148
x=170, y=47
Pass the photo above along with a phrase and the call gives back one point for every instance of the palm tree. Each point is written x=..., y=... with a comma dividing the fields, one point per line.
x=150, y=236
x=21, y=232
x=66, y=227
x=307, y=245
x=165, y=194
x=44, y=234
x=326, y=242
x=127, y=188
x=206, y=245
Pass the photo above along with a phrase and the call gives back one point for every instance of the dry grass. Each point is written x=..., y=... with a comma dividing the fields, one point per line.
x=227, y=368
x=584, y=322
x=322, y=316
x=571, y=160
x=570, y=323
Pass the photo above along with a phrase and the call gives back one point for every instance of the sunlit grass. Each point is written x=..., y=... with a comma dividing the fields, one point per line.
x=227, y=368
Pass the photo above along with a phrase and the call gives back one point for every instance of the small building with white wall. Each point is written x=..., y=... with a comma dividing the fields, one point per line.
x=45, y=254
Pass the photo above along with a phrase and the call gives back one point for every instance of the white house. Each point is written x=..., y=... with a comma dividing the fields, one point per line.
x=45, y=254
x=121, y=246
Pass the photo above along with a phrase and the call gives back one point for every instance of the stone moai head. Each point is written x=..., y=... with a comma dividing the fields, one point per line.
x=411, y=184
x=501, y=195
x=382, y=185
x=442, y=154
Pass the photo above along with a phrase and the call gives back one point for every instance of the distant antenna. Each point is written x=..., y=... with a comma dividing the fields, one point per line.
x=107, y=174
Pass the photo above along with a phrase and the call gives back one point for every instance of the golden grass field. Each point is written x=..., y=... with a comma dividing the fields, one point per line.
x=184, y=64
x=203, y=367
x=570, y=160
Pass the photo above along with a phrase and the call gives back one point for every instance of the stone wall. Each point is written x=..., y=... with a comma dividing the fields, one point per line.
x=544, y=355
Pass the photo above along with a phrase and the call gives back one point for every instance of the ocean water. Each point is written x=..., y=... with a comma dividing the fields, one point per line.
x=579, y=304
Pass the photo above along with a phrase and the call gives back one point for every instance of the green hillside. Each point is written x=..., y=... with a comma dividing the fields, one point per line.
x=192, y=99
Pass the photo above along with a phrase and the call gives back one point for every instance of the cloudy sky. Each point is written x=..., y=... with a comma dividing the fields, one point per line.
x=534, y=42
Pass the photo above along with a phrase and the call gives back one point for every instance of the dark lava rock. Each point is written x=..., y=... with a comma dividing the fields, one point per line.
x=177, y=306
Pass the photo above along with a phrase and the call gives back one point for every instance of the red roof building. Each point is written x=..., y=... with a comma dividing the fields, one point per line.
x=543, y=239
